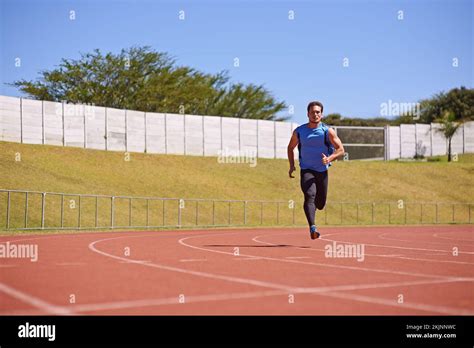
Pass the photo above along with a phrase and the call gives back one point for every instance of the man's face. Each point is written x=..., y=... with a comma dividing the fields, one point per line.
x=315, y=114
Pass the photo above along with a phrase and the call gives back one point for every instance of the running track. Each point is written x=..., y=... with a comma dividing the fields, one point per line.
x=277, y=272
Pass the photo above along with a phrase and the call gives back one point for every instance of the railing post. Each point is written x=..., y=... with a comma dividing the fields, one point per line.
x=96, y=211
x=164, y=212
x=437, y=212
x=278, y=213
x=179, y=212
x=245, y=212
x=261, y=213
x=453, y=212
x=79, y=218
x=62, y=210
x=228, y=219
x=8, y=210
x=130, y=212
x=197, y=213
x=112, y=211
x=213, y=212
x=147, y=212
x=43, y=202
x=26, y=209
x=469, y=206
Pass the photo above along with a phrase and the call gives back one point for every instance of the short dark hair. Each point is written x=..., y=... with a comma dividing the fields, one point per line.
x=313, y=103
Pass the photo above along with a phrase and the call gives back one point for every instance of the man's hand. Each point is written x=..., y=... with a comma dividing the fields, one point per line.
x=290, y=172
x=325, y=159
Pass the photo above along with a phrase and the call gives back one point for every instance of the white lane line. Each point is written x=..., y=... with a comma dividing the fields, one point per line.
x=289, y=289
x=173, y=300
x=324, y=291
x=437, y=235
x=375, y=270
x=34, y=301
x=383, y=236
x=192, y=260
x=186, y=271
x=70, y=263
x=394, y=303
x=399, y=247
x=297, y=257
x=136, y=261
x=255, y=239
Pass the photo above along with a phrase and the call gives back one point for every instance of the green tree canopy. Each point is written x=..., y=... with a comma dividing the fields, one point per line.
x=142, y=79
x=458, y=101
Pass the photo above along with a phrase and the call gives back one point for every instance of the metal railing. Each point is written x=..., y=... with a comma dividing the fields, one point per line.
x=34, y=210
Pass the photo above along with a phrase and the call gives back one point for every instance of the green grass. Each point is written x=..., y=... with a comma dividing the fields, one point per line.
x=75, y=170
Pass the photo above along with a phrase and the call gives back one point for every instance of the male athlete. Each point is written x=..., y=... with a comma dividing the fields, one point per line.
x=315, y=141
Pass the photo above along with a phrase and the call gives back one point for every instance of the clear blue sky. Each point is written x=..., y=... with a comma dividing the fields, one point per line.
x=297, y=60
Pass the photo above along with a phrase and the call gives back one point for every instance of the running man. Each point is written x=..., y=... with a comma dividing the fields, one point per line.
x=313, y=139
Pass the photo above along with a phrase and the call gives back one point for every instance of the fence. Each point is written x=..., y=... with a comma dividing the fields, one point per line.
x=94, y=127
x=416, y=140
x=33, y=210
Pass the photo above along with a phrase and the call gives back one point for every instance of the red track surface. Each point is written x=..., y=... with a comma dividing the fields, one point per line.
x=277, y=271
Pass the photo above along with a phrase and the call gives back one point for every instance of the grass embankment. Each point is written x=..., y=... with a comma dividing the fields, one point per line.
x=75, y=170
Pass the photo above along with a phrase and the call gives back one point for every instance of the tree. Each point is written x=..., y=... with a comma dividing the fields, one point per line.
x=141, y=79
x=460, y=101
x=448, y=128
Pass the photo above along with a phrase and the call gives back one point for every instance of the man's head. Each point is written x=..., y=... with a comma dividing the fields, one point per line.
x=315, y=111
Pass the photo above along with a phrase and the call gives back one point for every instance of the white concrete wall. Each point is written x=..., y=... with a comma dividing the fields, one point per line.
x=428, y=138
x=74, y=125
x=156, y=132
x=135, y=131
x=248, y=136
x=95, y=127
x=394, y=142
x=194, y=133
x=457, y=142
x=283, y=132
x=175, y=141
x=53, y=123
x=230, y=134
x=115, y=129
x=32, y=119
x=469, y=137
x=438, y=141
x=423, y=139
x=266, y=139
x=10, y=119
x=38, y=122
x=407, y=140
x=212, y=135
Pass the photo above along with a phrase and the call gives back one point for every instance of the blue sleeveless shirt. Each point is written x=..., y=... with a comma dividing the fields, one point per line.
x=311, y=145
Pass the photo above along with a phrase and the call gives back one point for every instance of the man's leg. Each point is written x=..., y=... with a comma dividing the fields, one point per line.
x=308, y=186
x=321, y=180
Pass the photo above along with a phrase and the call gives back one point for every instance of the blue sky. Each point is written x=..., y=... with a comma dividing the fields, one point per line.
x=298, y=60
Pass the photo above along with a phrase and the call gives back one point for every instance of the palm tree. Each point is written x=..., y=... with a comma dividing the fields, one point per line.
x=448, y=129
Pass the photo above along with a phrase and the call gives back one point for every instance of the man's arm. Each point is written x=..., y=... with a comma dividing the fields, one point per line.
x=338, y=147
x=291, y=155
